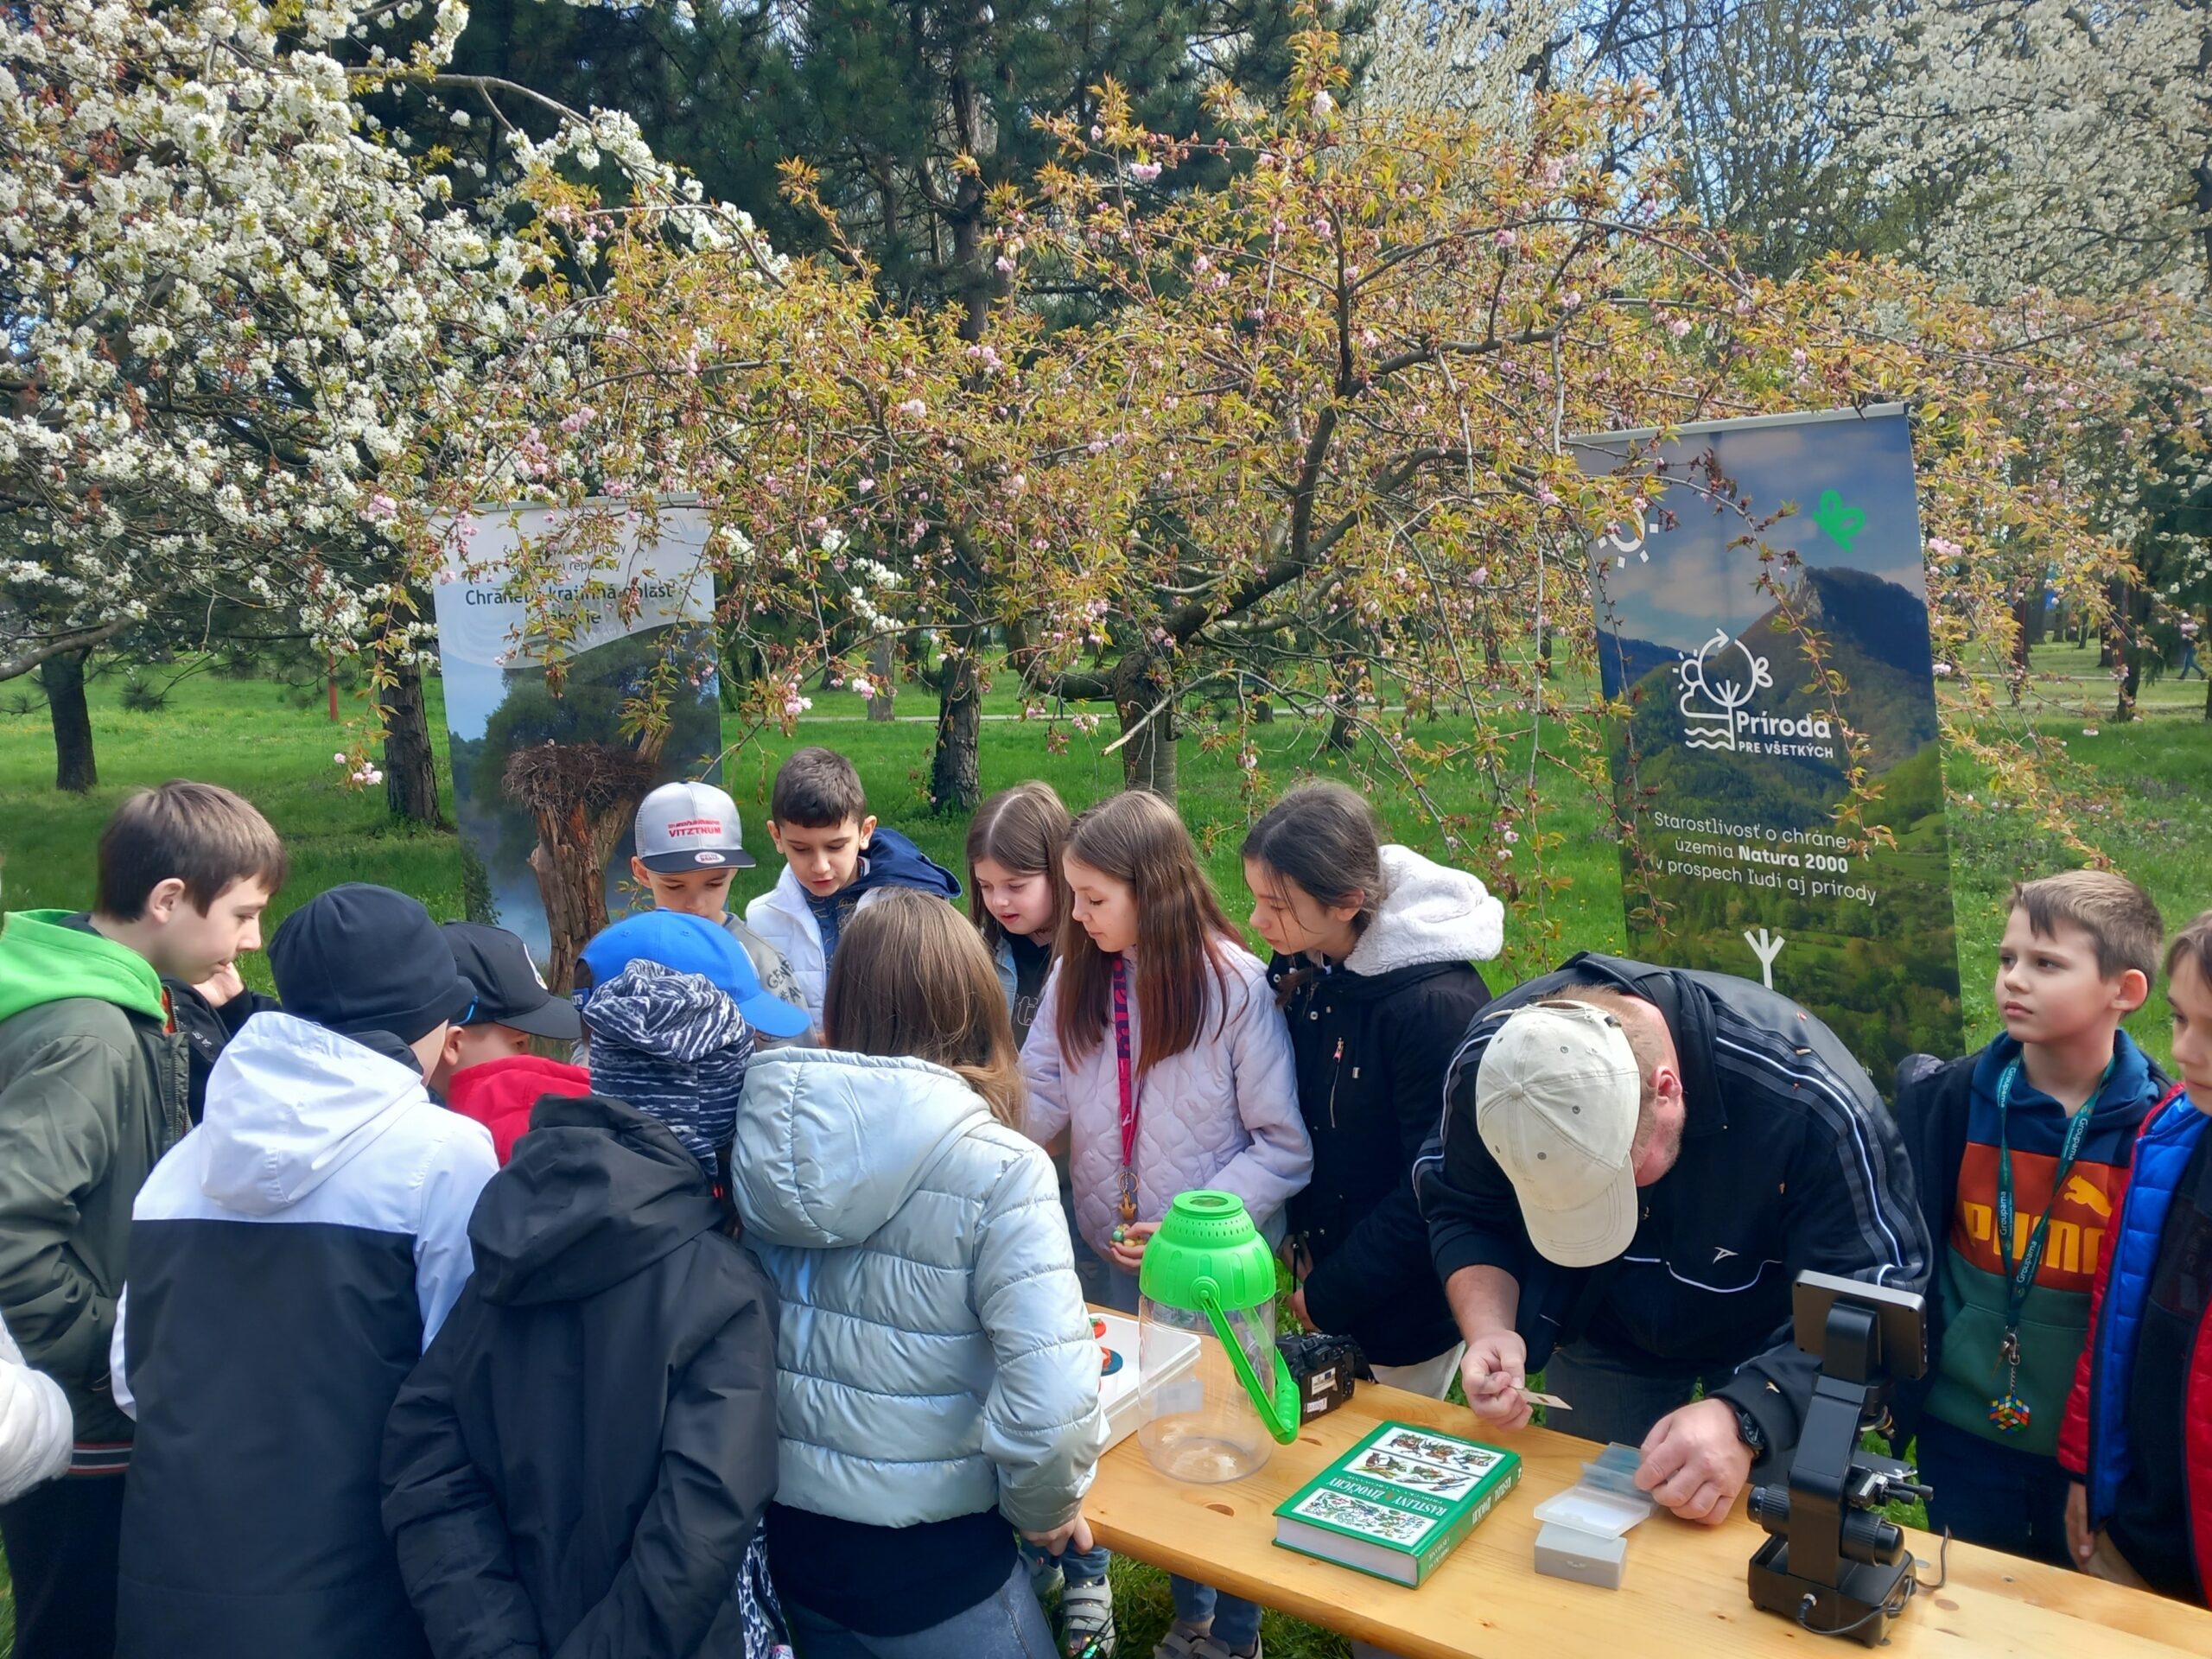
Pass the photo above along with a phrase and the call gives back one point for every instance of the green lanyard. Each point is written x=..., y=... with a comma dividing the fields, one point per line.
x=2011, y=1412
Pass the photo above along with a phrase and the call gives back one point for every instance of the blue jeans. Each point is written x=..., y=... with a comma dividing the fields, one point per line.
x=1080, y=1566
x=1993, y=1495
x=1008, y=1625
x=1236, y=1621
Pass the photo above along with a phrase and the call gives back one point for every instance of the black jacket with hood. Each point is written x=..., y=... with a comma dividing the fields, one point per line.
x=1372, y=1037
x=1790, y=1161
x=582, y=1458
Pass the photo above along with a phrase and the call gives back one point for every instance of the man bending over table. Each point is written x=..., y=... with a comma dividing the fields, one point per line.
x=1634, y=1165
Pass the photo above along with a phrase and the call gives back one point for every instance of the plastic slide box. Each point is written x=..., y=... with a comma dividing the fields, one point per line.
x=1584, y=1531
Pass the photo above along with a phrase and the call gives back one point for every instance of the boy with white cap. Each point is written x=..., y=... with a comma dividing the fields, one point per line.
x=1634, y=1165
x=689, y=844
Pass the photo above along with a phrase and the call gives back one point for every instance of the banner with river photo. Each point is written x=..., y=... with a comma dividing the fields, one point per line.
x=634, y=616
x=1764, y=618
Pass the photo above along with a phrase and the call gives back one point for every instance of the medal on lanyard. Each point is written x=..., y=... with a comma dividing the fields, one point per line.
x=1126, y=1181
x=2009, y=1412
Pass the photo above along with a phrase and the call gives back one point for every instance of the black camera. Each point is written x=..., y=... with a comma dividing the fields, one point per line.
x=1832, y=1565
x=1324, y=1368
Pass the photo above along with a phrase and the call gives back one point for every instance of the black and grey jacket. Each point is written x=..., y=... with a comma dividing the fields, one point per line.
x=582, y=1458
x=1790, y=1161
x=1371, y=1037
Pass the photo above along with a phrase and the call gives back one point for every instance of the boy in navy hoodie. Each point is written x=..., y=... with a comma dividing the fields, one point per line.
x=836, y=856
x=2021, y=1155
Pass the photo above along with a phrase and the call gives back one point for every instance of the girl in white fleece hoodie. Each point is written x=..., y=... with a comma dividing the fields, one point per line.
x=1158, y=1045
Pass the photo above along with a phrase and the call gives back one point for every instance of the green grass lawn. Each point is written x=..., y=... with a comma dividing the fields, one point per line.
x=256, y=737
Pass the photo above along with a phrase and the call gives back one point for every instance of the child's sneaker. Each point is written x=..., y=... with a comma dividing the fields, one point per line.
x=1087, y=1621
x=1196, y=1642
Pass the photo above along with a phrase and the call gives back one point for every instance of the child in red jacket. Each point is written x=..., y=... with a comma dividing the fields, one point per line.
x=2137, y=1436
x=486, y=1071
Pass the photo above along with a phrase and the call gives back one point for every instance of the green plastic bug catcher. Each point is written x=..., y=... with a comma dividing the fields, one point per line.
x=1210, y=1279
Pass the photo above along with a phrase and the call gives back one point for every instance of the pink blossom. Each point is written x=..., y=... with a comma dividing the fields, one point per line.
x=1504, y=238
x=915, y=408
x=1678, y=327
x=1003, y=265
x=1144, y=172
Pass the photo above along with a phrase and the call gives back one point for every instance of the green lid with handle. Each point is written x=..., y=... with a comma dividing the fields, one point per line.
x=1208, y=1258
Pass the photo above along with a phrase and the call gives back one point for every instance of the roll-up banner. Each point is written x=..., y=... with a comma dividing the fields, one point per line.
x=639, y=610
x=1763, y=614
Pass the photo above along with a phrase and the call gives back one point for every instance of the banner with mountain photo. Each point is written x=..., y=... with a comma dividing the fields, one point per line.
x=1764, y=616
x=547, y=769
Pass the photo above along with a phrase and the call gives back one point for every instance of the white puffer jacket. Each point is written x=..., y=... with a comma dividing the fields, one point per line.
x=34, y=1424
x=933, y=1357
x=1222, y=1114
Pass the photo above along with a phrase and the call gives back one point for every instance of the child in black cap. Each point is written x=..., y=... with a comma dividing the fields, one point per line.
x=291, y=1259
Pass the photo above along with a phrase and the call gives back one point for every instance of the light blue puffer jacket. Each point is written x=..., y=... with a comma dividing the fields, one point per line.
x=933, y=1357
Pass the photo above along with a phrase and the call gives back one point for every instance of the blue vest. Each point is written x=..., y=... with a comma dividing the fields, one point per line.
x=2162, y=1154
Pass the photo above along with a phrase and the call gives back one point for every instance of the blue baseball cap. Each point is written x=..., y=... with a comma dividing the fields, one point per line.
x=692, y=944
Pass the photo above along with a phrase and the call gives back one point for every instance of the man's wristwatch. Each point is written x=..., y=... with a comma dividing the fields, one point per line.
x=1749, y=1432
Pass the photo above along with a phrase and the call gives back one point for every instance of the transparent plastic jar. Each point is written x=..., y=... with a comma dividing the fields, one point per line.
x=1196, y=1420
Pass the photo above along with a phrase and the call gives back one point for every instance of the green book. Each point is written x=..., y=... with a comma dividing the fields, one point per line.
x=1398, y=1502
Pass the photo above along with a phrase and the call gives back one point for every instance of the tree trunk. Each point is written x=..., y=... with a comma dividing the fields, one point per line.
x=411, y=767
x=955, y=785
x=882, y=673
x=63, y=676
x=1149, y=758
x=2018, y=676
x=2129, y=644
x=572, y=886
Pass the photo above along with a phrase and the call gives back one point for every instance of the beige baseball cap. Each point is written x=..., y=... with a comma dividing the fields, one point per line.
x=1555, y=1102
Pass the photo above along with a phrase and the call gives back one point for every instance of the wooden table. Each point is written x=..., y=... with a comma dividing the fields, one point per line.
x=1684, y=1593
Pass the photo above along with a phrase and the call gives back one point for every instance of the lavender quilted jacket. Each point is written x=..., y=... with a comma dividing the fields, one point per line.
x=1222, y=1114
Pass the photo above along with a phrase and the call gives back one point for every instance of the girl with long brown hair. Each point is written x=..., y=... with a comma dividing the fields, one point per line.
x=1160, y=1048
x=1016, y=890
x=938, y=1375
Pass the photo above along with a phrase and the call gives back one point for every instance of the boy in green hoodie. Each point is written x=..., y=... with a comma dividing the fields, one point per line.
x=94, y=1078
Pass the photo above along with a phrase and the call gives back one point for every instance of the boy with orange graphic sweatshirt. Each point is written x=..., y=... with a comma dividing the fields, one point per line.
x=2021, y=1155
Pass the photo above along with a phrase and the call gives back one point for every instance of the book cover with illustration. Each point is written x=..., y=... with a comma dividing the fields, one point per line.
x=1398, y=1502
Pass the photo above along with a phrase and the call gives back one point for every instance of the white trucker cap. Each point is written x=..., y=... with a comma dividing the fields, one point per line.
x=1555, y=1102
x=690, y=827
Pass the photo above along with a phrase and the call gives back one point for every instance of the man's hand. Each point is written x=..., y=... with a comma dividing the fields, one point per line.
x=219, y=987
x=1128, y=1255
x=2079, y=1539
x=1298, y=1306
x=1075, y=1534
x=1494, y=1373
x=1695, y=1463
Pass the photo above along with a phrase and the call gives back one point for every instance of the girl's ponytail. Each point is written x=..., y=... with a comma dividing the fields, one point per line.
x=1325, y=838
